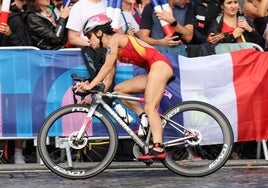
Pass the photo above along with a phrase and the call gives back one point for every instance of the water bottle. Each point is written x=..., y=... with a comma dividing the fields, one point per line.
x=122, y=112
x=144, y=124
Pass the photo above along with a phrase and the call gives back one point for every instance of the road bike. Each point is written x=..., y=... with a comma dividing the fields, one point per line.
x=79, y=141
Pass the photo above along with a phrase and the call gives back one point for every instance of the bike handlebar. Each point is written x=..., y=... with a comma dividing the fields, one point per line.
x=98, y=88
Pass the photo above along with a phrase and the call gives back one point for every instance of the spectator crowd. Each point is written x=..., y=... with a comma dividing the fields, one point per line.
x=48, y=25
x=199, y=25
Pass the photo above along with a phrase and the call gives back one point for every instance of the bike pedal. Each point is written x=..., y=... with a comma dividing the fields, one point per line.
x=148, y=162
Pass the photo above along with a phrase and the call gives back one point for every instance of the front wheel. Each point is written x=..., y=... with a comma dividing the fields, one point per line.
x=198, y=139
x=64, y=155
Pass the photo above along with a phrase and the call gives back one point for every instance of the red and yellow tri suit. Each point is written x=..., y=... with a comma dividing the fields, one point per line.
x=136, y=54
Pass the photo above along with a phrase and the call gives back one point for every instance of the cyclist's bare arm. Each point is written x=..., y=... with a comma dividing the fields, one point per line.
x=107, y=67
x=108, y=80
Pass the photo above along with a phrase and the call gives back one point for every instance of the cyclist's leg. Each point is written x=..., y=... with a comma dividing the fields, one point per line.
x=157, y=79
x=135, y=85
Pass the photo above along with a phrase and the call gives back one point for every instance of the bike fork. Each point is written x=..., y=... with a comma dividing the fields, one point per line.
x=87, y=122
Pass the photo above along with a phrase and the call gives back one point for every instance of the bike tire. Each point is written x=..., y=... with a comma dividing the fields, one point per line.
x=208, y=151
x=77, y=160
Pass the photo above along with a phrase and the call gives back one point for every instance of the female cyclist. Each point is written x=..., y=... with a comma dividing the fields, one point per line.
x=128, y=49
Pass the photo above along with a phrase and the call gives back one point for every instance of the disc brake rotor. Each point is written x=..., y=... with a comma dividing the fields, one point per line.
x=77, y=144
x=195, y=140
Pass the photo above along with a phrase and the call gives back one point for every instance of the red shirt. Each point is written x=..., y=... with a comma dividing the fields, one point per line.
x=228, y=29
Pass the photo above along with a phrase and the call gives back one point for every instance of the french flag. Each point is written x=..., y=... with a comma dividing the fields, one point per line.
x=236, y=83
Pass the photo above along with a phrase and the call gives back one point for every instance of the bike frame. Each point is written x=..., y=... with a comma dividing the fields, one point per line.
x=97, y=99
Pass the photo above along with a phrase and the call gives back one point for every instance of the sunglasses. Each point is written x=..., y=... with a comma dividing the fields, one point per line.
x=89, y=35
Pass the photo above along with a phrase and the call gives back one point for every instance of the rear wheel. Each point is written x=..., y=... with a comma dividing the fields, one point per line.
x=209, y=143
x=72, y=159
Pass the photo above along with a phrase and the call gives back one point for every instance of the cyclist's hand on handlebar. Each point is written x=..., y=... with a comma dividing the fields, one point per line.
x=81, y=86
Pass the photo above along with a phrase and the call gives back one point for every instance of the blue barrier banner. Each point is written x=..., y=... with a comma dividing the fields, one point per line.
x=33, y=83
x=36, y=82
